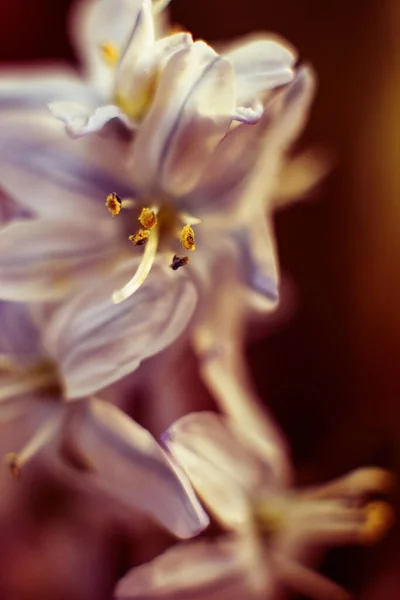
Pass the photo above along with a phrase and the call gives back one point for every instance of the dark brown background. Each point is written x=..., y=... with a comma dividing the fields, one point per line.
x=333, y=369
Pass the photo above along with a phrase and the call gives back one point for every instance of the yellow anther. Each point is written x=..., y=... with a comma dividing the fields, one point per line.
x=140, y=237
x=187, y=238
x=379, y=518
x=148, y=218
x=109, y=53
x=114, y=203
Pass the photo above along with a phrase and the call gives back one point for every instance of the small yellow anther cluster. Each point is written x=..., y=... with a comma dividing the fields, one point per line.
x=148, y=218
x=114, y=203
x=379, y=518
x=187, y=238
x=109, y=53
x=140, y=237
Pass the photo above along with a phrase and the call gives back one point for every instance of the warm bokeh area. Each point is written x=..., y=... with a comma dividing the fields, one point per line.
x=329, y=366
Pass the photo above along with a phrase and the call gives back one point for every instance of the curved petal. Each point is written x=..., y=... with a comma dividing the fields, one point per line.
x=190, y=114
x=98, y=22
x=202, y=570
x=97, y=342
x=126, y=461
x=260, y=65
x=81, y=120
x=139, y=71
x=54, y=176
x=225, y=474
x=19, y=337
x=35, y=88
x=245, y=167
x=45, y=259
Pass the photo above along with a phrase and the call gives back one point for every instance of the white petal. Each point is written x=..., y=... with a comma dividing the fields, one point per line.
x=97, y=342
x=224, y=473
x=202, y=570
x=128, y=463
x=31, y=87
x=260, y=65
x=191, y=112
x=45, y=259
x=81, y=120
x=97, y=22
x=54, y=176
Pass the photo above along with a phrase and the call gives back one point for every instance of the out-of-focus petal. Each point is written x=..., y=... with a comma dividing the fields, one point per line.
x=45, y=259
x=98, y=22
x=218, y=340
x=191, y=112
x=225, y=474
x=80, y=120
x=97, y=342
x=260, y=65
x=127, y=462
x=203, y=570
x=138, y=74
x=52, y=175
x=35, y=88
x=19, y=337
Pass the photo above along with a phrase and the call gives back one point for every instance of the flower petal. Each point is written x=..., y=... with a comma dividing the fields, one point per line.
x=97, y=342
x=260, y=65
x=201, y=570
x=45, y=259
x=190, y=114
x=31, y=87
x=224, y=473
x=54, y=176
x=98, y=22
x=81, y=120
x=128, y=463
x=19, y=337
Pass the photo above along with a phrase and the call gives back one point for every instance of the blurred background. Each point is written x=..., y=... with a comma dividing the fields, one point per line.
x=333, y=367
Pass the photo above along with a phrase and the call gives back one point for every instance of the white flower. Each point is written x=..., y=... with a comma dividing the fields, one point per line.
x=272, y=528
x=114, y=455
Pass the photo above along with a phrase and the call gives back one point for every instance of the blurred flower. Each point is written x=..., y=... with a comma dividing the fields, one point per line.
x=125, y=65
x=273, y=528
x=111, y=451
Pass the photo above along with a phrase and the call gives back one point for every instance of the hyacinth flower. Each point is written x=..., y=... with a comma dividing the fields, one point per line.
x=73, y=244
x=272, y=531
x=108, y=451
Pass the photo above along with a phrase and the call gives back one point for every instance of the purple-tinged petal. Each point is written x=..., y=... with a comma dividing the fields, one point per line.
x=204, y=570
x=190, y=114
x=46, y=259
x=128, y=464
x=35, y=88
x=54, y=176
x=224, y=473
x=260, y=65
x=81, y=120
x=97, y=342
x=19, y=337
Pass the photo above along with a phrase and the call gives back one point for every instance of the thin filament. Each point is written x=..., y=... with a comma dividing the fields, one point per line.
x=142, y=272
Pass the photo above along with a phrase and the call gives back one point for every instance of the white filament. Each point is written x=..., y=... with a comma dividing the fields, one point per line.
x=142, y=271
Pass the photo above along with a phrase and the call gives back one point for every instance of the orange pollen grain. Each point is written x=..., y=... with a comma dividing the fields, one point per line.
x=148, y=218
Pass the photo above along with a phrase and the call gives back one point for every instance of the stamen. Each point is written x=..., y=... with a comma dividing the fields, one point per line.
x=114, y=204
x=41, y=438
x=179, y=261
x=142, y=271
x=187, y=238
x=148, y=218
x=379, y=518
x=109, y=53
x=140, y=237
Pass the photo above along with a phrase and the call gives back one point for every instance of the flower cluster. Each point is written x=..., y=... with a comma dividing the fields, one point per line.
x=136, y=224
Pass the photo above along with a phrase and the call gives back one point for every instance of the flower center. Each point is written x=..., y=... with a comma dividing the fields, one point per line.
x=161, y=227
